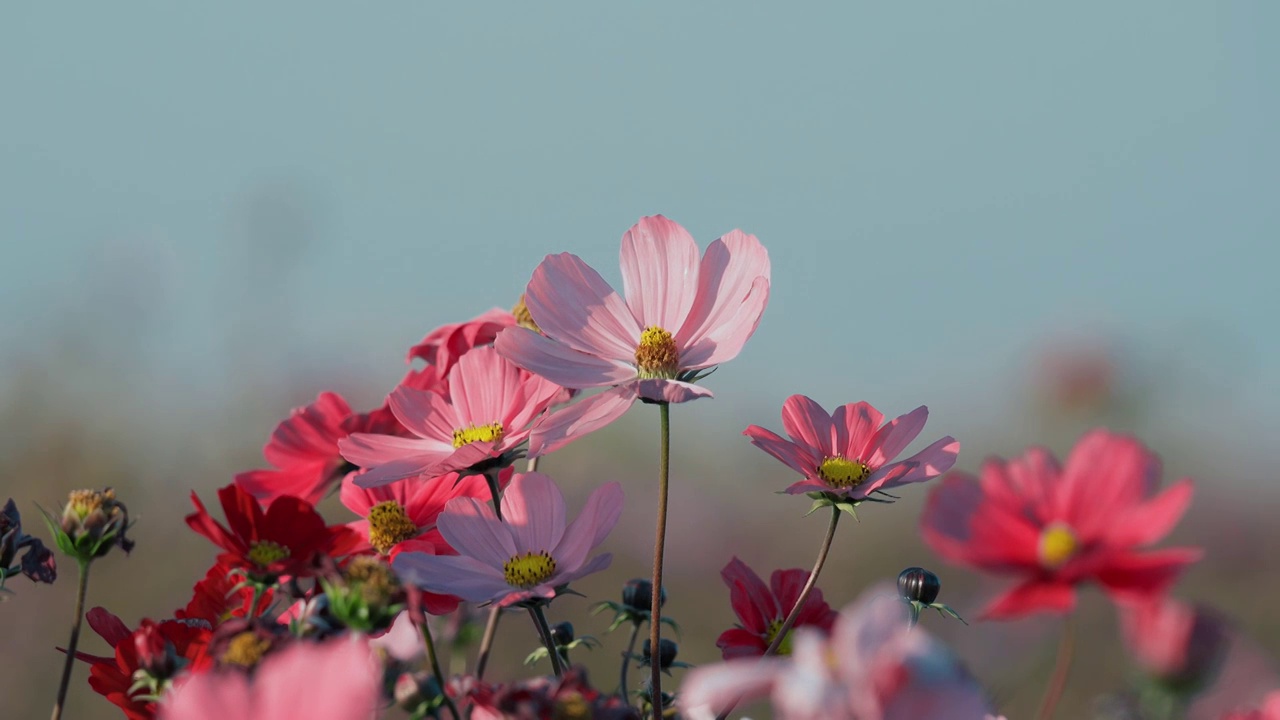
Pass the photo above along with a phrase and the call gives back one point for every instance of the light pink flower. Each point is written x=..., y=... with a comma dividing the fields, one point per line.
x=681, y=315
x=875, y=667
x=527, y=555
x=848, y=452
x=336, y=680
x=487, y=412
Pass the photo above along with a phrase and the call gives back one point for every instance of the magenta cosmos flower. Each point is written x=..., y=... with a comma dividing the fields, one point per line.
x=527, y=555
x=849, y=453
x=762, y=608
x=1056, y=527
x=335, y=680
x=681, y=315
x=488, y=411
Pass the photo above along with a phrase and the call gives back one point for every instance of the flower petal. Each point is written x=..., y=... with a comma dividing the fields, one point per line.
x=857, y=424
x=459, y=575
x=927, y=464
x=1138, y=577
x=533, y=507
x=797, y=457
x=560, y=363
x=710, y=690
x=659, y=272
x=895, y=436
x=571, y=303
x=591, y=527
x=733, y=290
x=594, y=565
x=1031, y=597
x=427, y=414
x=670, y=391
x=471, y=528
x=1150, y=521
x=809, y=424
x=750, y=598
x=585, y=416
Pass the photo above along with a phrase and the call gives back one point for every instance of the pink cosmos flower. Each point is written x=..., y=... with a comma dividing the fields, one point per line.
x=402, y=515
x=1058, y=527
x=487, y=412
x=335, y=680
x=762, y=608
x=849, y=453
x=1175, y=642
x=681, y=315
x=874, y=667
x=443, y=346
x=527, y=555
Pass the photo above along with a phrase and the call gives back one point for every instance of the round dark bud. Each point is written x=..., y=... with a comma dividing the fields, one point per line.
x=667, y=650
x=562, y=633
x=637, y=594
x=919, y=585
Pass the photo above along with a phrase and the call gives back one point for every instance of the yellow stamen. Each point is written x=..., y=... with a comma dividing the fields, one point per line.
x=1058, y=544
x=771, y=632
x=245, y=650
x=529, y=569
x=657, y=357
x=484, y=433
x=265, y=552
x=523, y=318
x=389, y=525
x=839, y=472
x=377, y=583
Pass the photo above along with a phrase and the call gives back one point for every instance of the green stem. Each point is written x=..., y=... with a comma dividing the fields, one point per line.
x=258, y=591
x=486, y=642
x=430, y=645
x=659, y=545
x=626, y=660
x=1061, y=669
x=544, y=631
x=81, y=591
x=808, y=586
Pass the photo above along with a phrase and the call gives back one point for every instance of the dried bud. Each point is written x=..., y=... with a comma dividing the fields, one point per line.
x=637, y=594
x=562, y=633
x=37, y=562
x=92, y=522
x=919, y=585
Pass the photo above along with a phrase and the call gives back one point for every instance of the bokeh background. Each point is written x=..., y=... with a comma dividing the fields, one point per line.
x=1034, y=219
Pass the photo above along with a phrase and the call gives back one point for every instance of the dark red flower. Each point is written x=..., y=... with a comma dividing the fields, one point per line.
x=286, y=539
x=212, y=598
x=762, y=608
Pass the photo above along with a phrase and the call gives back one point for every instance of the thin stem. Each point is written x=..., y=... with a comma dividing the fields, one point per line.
x=1061, y=669
x=544, y=631
x=495, y=493
x=81, y=591
x=430, y=645
x=258, y=591
x=486, y=642
x=626, y=660
x=808, y=586
x=659, y=545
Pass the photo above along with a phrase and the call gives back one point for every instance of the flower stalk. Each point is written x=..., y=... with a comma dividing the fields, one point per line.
x=659, y=544
x=790, y=620
x=1061, y=669
x=81, y=590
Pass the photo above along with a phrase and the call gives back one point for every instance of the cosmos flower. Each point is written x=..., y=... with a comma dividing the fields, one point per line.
x=681, y=315
x=443, y=346
x=762, y=608
x=849, y=453
x=1056, y=527
x=527, y=555
x=402, y=515
x=487, y=412
x=1177, y=643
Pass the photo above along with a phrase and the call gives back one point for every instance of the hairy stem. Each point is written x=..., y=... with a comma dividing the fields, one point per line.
x=659, y=544
x=790, y=621
x=81, y=591
x=1061, y=669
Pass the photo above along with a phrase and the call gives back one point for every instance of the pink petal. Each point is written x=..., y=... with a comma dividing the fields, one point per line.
x=309, y=433
x=471, y=528
x=572, y=304
x=808, y=424
x=733, y=289
x=927, y=464
x=458, y=575
x=809, y=485
x=736, y=643
x=749, y=597
x=482, y=387
x=1105, y=475
x=560, y=363
x=424, y=413
x=659, y=272
x=895, y=436
x=209, y=696
x=1138, y=577
x=710, y=690
x=585, y=416
x=594, y=565
x=962, y=525
x=797, y=457
x=533, y=508
x=856, y=423
x=1030, y=597
x=589, y=529
x=670, y=391
x=1150, y=521
x=342, y=681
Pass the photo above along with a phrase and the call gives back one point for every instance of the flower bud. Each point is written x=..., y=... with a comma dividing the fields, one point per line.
x=637, y=594
x=667, y=650
x=92, y=522
x=368, y=597
x=919, y=585
x=562, y=633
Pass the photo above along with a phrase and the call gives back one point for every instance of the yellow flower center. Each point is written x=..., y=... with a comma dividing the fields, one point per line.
x=523, y=318
x=527, y=570
x=484, y=433
x=1058, y=544
x=265, y=552
x=771, y=632
x=571, y=706
x=389, y=525
x=657, y=357
x=374, y=578
x=245, y=650
x=839, y=472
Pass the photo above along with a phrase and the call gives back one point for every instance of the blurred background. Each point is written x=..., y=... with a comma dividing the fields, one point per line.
x=1033, y=219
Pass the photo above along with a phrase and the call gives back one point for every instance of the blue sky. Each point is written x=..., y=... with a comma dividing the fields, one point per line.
x=941, y=186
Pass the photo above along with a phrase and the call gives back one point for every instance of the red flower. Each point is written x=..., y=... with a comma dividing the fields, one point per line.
x=212, y=599
x=443, y=346
x=762, y=608
x=145, y=661
x=286, y=539
x=1059, y=527
x=1177, y=643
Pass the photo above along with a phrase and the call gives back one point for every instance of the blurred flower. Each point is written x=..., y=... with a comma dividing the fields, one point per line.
x=1076, y=375
x=443, y=346
x=243, y=643
x=219, y=597
x=681, y=315
x=1270, y=710
x=402, y=515
x=367, y=597
x=304, y=450
x=486, y=414
x=848, y=454
x=92, y=522
x=762, y=608
x=402, y=642
x=528, y=555
x=334, y=680
x=1180, y=645
x=569, y=698
x=286, y=539
x=874, y=667
x=1059, y=527
x=37, y=561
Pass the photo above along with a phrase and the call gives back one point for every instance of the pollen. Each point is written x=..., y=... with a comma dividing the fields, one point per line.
x=265, y=552
x=1058, y=544
x=523, y=317
x=657, y=356
x=389, y=525
x=83, y=502
x=840, y=472
x=528, y=569
x=245, y=649
x=771, y=632
x=473, y=433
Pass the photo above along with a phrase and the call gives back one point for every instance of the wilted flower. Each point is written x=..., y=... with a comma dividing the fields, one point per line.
x=37, y=561
x=92, y=522
x=762, y=608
